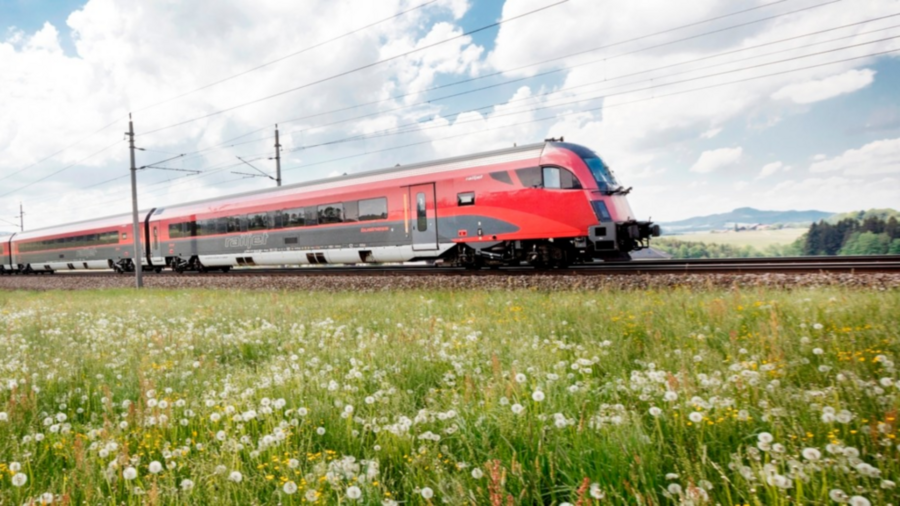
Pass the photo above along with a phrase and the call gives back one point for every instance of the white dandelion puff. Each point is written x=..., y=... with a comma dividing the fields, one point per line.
x=19, y=479
x=289, y=488
x=811, y=454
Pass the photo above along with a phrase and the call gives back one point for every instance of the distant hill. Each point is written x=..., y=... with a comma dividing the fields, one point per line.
x=743, y=216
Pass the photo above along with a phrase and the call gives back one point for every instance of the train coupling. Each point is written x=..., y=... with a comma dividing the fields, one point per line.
x=623, y=236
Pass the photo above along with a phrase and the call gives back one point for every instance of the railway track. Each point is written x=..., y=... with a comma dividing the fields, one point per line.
x=790, y=265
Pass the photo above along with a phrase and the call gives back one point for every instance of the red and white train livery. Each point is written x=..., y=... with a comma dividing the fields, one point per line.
x=547, y=204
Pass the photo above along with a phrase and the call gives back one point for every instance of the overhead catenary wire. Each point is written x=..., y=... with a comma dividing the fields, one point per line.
x=258, y=67
x=417, y=126
x=205, y=174
x=291, y=55
x=561, y=90
x=617, y=43
x=557, y=117
x=359, y=69
x=225, y=143
x=578, y=53
x=79, y=162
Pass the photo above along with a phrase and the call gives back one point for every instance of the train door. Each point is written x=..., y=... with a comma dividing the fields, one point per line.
x=424, y=217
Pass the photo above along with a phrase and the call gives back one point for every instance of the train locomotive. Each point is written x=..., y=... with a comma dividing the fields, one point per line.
x=549, y=204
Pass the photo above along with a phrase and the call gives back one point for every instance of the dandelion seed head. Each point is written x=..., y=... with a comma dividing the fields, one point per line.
x=19, y=479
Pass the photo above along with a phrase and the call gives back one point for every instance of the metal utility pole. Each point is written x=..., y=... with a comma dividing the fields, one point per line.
x=277, y=158
x=21, y=217
x=136, y=228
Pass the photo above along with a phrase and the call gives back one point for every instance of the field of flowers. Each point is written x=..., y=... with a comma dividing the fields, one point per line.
x=450, y=397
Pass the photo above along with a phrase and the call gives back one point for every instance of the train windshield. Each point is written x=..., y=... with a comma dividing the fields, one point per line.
x=605, y=179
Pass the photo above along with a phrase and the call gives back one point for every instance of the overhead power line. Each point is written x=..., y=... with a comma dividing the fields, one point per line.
x=363, y=67
x=634, y=39
x=578, y=53
x=416, y=126
x=258, y=67
x=594, y=109
x=79, y=162
x=291, y=55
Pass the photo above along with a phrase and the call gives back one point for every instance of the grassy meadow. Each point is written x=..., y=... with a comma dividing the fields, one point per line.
x=759, y=239
x=758, y=397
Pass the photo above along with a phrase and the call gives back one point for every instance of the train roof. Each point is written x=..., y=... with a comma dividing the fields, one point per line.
x=452, y=163
x=432, y=166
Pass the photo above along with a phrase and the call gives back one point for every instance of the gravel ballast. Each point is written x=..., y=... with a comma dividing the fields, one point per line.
x=444, y=282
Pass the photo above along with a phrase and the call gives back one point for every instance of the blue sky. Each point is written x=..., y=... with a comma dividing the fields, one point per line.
x=826, y=138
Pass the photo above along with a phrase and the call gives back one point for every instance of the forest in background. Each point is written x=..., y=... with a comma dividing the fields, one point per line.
x=872, y=232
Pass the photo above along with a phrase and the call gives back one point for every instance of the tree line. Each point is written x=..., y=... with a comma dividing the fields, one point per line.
x=868, y=235
x=871, y=236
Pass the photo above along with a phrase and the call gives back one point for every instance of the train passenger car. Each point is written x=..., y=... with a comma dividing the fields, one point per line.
x=548, y=204
x=104, y=243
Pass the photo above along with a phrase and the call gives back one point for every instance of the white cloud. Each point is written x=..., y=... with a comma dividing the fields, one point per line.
x=740, y=185
x=714, y=160
x=769, y=169
x=712, y=132
x=48, y=99
x=879, y=157
x=822, y=89
x=833, y=194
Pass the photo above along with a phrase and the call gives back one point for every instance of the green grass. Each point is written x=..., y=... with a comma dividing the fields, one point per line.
x=758, y=239
x=209, y=383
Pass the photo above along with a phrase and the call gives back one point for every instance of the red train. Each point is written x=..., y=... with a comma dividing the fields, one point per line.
x=547, y=204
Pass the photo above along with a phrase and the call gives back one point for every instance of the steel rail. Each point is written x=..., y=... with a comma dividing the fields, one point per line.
x=884, y=263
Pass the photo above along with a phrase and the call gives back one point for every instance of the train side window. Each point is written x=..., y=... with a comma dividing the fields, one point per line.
x=233, y=224
x=551, y=177
x=465, y=199
x=275, y=220
x=421, y=216
x=568, y=181
x=530, y=177
x=311, y=216
x=294, y=218
x=351, y=211
x=245, y=223
x=373, y=209
x=330, y=213
x=501, y=176
x=257, y=221
x=202, y=228
x=222, y=225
